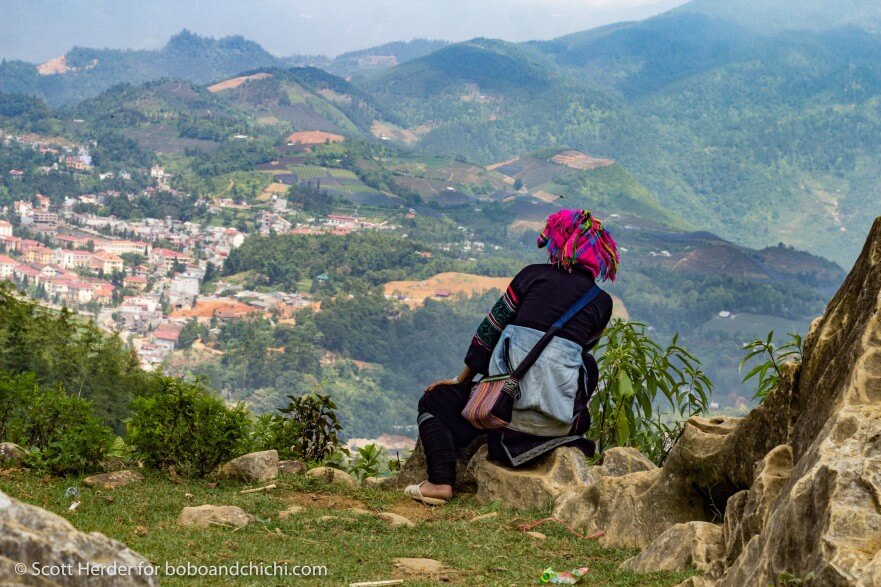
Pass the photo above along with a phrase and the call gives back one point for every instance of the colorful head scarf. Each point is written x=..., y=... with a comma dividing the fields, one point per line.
x=574, y=237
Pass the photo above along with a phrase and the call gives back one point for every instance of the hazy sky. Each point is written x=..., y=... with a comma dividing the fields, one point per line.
x=36, y=30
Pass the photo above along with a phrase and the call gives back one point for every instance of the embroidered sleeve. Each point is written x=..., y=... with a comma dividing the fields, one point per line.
x=490, y=330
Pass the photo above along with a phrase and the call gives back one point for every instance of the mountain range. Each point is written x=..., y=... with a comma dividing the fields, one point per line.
x=758, y=121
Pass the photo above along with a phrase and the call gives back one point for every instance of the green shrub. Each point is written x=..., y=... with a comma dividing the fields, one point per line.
x=272, y=431
x=182, y=426
x=636, y=372
x=305, y=429
x=61, y=431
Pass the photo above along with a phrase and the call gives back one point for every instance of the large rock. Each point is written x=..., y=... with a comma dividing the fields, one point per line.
x=798, y=479
x=207, y=515
x=680, y=547
x=534, y=485
x=29, y=535
x=826, y=519
x=255, y=467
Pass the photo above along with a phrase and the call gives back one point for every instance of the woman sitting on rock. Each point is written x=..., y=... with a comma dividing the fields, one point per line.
x=552, y=408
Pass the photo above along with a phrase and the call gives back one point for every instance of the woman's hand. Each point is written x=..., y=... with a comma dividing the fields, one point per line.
x=441, y=382
x=466, y=375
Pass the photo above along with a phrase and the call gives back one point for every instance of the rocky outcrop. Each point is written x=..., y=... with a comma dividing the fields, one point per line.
x=538, y=483
x=797, y=483
x=680, y=547
x=635, y=508
x=531, y=486
x=113, y=480
x=826, y=520
x=255, y=467
x=207, y=515
x=30, y=535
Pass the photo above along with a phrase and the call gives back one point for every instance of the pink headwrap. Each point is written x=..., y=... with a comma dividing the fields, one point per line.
x=574, y=237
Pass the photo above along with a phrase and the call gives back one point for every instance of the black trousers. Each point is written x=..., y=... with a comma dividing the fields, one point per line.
x=443, y=430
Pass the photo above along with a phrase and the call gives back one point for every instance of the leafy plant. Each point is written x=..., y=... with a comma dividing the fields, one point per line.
x=272, y=431
x=181, y=425
x=367, y=462
x=767, y=372
x=61, y=431
x=634, y=372
x=316, y=416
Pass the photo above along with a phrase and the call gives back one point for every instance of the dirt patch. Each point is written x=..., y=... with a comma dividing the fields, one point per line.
x=578, y=160
x=205, y=309
x=236, y=82
x=323, y=501
x=442, y=286
x=546, y=196
x=381, y=129
x=313, y=137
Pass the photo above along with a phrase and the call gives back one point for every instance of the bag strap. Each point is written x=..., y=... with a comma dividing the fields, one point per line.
x=539, y=347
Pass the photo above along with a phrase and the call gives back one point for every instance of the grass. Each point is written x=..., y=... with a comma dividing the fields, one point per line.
x=353, y=547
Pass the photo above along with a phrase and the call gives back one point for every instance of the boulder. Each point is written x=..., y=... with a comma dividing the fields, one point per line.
x=331, y=475
x=11, y=454
x=113, y=480
x=29, y=534
x=255, y=467
x=291, y=467
x=204, y=516
x=680, y=547
x=534, y=485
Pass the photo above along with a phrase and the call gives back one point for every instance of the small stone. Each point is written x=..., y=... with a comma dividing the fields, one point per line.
x=396, y=520
x=293, y=510
x=113, y=480
x=291, y=467
x=328, y=518
x=420, y=566
x=377, y=482
x=488, y=516
x=11, y=453
x=331, y=475
x=207, y=515
x=537, y=535
x=188, y=495
x=360, y=511
x=255, y=467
